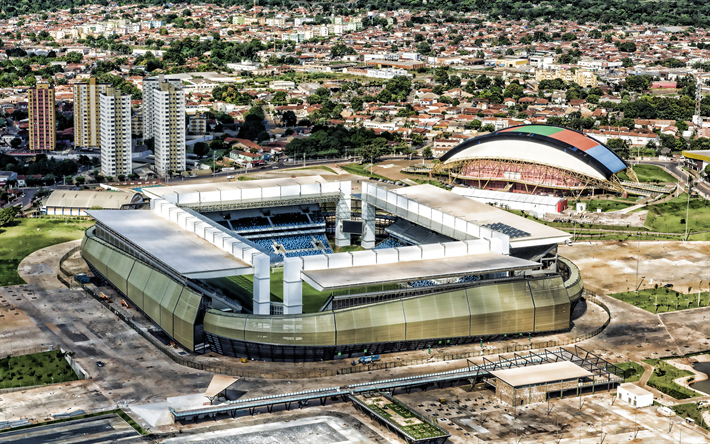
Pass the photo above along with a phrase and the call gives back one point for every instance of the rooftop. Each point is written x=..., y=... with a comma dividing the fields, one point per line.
x=335, y=278
x=184, y=252
x=541, y=374
x=111, y=200
x=482, y=214
x=162, y=192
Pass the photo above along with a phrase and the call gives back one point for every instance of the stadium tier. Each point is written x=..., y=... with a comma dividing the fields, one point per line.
x=538, y=159
x=189, y=268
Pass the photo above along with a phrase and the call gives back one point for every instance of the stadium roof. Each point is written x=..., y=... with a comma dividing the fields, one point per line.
x=166, y=242
x=162, y=192
x=473, y=264
x=703, y=155
x=534, y=199
x=111, y=200
x=484, y=215
x=559, y=147
x=541, y=374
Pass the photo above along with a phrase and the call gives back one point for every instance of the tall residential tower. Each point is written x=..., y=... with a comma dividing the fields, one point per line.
x=115, y=118
x=40, y=104
x=164, y=121
x=86, y=114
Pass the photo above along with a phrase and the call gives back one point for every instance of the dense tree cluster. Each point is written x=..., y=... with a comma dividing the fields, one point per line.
x=49, y=168
x=337, y=141
x=673, y=12
x=230, y=94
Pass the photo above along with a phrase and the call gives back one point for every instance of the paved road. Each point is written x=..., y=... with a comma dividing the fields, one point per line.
x=99, y=429
x=675, y=168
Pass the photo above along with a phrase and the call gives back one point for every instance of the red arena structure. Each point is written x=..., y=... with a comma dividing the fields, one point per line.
x=536, y=159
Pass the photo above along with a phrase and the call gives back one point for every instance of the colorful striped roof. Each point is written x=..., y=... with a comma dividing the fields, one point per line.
x=576, y=141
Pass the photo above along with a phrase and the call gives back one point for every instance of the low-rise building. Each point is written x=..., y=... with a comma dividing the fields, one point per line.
x=582, y=77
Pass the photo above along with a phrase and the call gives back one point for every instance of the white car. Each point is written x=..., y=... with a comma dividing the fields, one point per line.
x=230, y=177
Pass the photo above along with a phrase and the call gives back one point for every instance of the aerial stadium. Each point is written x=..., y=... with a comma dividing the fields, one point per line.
x=251, y=269
x=537, y=159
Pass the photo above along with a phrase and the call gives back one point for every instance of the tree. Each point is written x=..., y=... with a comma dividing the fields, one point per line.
x=417, y=139
x=356, y=103
x=279, y=98
x=474, y=124
x=16, y=142
x=620, y=146
x=289, y=118
x=216, y=145
x=374, y=150
x=7, y=215
x=201, y=149
x=427, y=153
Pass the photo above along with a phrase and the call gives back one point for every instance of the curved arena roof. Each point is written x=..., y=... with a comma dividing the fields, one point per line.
x=551, y=145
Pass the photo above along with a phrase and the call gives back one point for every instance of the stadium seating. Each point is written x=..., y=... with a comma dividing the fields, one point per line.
x=422, y=283
x=468, y=279
x=295, y=242
x=287, y=220
x=303, y=253
x=389, y=243
x=322, y=239
x=265, y=244
x=251, y=223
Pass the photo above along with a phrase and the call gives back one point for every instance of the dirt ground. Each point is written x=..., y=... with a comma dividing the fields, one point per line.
x=610, y=267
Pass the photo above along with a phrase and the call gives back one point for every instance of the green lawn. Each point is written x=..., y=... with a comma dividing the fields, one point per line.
x=667, y=299
x=35, y=369
x=25, y=236
x=240, y=288
x=359, y=170
x=670, y=217
x=632, y=371
x=649, y=173
x=607, y=205
x=320, y=167
x=691, y=411
x=348, y=248
x=663, y=376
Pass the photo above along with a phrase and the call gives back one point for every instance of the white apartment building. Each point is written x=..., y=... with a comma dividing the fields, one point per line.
x=389, y=73
x=86, y=114
x=164, y=121
x=244, y=65
x=115, y=113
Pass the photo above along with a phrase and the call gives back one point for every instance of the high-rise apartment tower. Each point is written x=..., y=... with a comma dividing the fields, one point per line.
x=41, y=108
x=115, y=118
x=86, y=114
x=164, y=121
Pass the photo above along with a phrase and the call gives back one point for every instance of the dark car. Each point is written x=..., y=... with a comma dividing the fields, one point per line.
x=99, y=364
x=668, y=285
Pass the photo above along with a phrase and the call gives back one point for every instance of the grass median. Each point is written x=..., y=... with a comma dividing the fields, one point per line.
x=663, y=300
